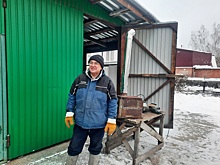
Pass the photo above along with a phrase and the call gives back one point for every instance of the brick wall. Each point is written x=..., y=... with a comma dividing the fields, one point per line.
x=207, y=73
x=184, y=71
x=203, y=73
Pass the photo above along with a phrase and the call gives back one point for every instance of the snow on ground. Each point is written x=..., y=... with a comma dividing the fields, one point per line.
x=195, y=138
x=196, y=134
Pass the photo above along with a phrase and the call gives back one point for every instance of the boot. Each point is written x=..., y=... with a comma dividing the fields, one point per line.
x=94, y=159
x=71, y=160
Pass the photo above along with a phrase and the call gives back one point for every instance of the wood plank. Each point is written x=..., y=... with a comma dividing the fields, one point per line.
x=108, y=148
x=115, y=134
x=121, y=136
x=136, y=143
x=153, y=75
x=151, y=55
x=145, y=117
x=157, y=90
x=128, y=147
x=113, y=145
x=151, y=131
x=148, y=154
x=161, y=128
x=150, y=115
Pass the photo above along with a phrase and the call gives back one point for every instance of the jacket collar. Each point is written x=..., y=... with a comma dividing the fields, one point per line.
x=87, y=72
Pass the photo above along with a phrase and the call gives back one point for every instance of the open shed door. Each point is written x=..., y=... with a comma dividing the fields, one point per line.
x=152, y=67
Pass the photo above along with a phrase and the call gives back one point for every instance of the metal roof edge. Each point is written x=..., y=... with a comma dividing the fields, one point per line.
x=172, y=25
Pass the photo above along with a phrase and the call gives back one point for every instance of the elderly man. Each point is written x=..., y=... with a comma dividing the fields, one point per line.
x=92, y=107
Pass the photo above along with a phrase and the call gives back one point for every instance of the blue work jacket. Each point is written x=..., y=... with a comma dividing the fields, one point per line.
x=92, y=101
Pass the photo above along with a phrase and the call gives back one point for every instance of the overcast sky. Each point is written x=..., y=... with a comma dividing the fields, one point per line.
x=190, y=15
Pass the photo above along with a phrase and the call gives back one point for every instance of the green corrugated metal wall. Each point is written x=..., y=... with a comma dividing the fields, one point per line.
x=1, y=19
x=94, y=10
x=45, y=53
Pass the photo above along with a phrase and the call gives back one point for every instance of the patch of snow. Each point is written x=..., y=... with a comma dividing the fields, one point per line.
x=202, y=66
x=193, y=140
x=203, y=79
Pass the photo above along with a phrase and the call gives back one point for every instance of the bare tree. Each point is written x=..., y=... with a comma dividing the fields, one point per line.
x=215, y=36
x=218, y=61
x=201, y=41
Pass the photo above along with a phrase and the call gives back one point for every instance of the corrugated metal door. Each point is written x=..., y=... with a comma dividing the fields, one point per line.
x=3, y=100
x=152, y=66
x=44, y=55
x=1, y=17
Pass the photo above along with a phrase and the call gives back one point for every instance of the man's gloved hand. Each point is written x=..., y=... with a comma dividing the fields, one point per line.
x=69, y=119
x=110, y=126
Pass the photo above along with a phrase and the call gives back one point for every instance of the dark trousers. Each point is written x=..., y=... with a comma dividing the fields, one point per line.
x=79, y=138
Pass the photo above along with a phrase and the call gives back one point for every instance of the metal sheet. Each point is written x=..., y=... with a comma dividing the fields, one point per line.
x=45, y=53
x=159, y=41
x=1, y=19
x=189, y=58
x=3, y=101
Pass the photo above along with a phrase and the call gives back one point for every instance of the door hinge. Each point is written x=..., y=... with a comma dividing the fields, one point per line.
x=7, y=141
x=4, y=3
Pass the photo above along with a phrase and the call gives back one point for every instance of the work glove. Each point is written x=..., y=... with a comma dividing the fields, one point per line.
x=69, y=119
x=110, y=126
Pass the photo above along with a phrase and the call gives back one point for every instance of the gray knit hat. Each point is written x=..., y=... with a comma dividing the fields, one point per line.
x=97, y=58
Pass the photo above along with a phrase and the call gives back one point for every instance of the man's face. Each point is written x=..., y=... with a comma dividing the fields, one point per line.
x=94, y=67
